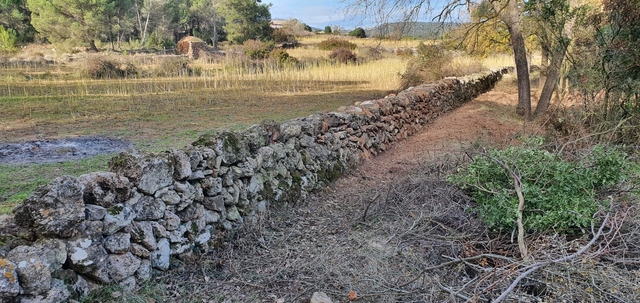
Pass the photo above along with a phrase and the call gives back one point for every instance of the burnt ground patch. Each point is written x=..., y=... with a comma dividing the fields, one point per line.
x=59, y=150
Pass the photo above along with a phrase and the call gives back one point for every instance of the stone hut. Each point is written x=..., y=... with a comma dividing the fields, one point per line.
x=191, y=46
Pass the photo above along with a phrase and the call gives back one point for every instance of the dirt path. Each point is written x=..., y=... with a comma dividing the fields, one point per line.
x=370, y=232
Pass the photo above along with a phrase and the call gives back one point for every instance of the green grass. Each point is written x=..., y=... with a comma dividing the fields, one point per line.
x=17, y=182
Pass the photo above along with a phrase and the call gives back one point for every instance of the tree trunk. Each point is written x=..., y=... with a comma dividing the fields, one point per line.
x=92, y=46
x=552, y=80
x=544, y=64
x=510, y=15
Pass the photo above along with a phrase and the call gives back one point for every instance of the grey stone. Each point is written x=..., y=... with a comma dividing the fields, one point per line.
x=118, y=243
x=144, y=271
x=181, y=165
x=160, y=258
x=242, y=170
x=211, y=217
x=177, y=236
x=168, y=196
x=140, y=251
x=9, y=285
x=117, y=217
x=159, y=230
x=87, y=256
x=57, y=293
x=290, y=129
x=105, y=188
x=53, y=210
x=32, y=269
x=149, y=208
x=122, y=266
x=214, y=203
x=94, y=212
x=54, y=251
x=90, y=229
x=212, y=186
x=142, y=232
x=193, y=212
x=129, y=284
x=320, y=297
x=149, y=172
x=81, y=287
x=195, y=157
x=203, y=238
x=172, y=221
x=196, y=175
x=233, y=214
x=199, y=195
x=230, y=147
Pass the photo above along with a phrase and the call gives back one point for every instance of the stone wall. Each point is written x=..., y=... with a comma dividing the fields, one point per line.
x=120, y=226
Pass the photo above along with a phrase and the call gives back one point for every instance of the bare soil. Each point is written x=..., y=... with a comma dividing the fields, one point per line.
x=370, y=232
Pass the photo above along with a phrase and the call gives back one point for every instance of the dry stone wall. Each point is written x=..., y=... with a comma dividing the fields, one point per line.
x=75, y=234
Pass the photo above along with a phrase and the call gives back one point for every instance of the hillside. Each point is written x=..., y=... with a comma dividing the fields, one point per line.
x=418, y=30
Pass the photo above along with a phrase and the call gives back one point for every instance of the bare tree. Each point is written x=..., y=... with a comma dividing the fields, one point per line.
x=508, y=11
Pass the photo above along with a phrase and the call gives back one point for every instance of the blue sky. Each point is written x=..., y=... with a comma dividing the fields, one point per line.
x=319, y=13
x=316, y=13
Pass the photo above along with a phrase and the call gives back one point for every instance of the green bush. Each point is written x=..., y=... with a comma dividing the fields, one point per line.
x=335, y=43
x=427, y=65
x=255, y=49
x=358, y=32
x=282, y=57
x=8, y=38
x=343, y=55
x=559, y=195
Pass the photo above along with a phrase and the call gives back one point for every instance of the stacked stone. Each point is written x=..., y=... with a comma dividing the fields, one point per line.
x=117, y=226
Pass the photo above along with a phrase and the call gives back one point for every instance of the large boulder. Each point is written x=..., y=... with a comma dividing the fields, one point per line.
x=105, y=189
x=149, y=172
x=33, y=269
x=88, y=256
x=53, y=210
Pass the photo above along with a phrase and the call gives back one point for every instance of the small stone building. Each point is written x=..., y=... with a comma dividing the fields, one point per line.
x=191, y=46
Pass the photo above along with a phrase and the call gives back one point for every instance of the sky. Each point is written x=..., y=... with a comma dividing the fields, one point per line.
x=319, y=13
x=316, y=13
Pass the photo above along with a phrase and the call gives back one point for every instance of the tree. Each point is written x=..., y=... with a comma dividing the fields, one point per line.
x=507, y=11
x=72, y=21
x=246, y=19
x=358, y=32
x=15, y=18
x=327, y=30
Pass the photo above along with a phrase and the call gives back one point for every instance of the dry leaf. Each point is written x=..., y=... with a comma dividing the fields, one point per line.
x=352, y=295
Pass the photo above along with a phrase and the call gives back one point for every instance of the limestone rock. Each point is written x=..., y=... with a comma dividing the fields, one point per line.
x=320, y=297
x=118, y=243
x=193, y=212
x=128, y=284
x=144, y=271
x=32, y=269
x=53, y=250
x=94, y=212
x=87, y=256
x=172, y=221
x=149, y=172
x=181, y=165
x=160, y=258
x=53, y=210
x=233, y=214
x=140, y=251
x=117, y=217
x=142, y=232
x=57, y=293
x=168, y=196
x=212, y=186
x=105, y=188
x=214, y=203
x=149, y=208
x=9, y=286
x=122, y=266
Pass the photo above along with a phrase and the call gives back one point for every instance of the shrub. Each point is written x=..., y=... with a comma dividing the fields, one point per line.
x=327, y=29
x=98, y=67
x=358, y=32
x=255, y=49
x=343, y=55
x=282, y=57
x=173, y=66
x=8, y=38
x=559, y=194
x=334, y=43
x=426, y=66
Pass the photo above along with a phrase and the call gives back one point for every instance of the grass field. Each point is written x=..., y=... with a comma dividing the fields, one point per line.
x=159, y=113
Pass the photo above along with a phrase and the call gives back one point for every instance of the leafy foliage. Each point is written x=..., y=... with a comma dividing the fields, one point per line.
x=426, y=66
x=255, y=49
x=334, y=43
x=358, y=32
x=282, y=57
x=559, y=194
x=8, y=39
x=327, y=29
x=246, y=19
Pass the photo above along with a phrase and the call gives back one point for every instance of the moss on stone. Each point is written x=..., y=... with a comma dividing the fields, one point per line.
x=114, y=210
